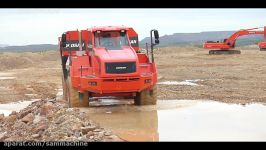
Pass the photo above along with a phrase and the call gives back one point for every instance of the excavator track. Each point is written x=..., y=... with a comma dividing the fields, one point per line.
x=224, y=52
x=262, y=49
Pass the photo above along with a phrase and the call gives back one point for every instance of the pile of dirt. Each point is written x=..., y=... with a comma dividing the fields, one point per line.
x=33, y=75
x=12, y=61
x=26, y=59
x=49, y=120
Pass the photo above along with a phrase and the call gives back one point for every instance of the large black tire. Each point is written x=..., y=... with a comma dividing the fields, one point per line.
x=72, y=96
x=146, y=97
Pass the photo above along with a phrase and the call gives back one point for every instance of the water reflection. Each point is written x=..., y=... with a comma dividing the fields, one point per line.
x=132, y=126
x=183, y=120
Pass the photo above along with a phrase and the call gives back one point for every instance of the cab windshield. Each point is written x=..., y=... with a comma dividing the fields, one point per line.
x=111, y=40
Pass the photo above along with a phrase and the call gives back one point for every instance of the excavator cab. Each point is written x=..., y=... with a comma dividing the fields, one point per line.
x=224, y=40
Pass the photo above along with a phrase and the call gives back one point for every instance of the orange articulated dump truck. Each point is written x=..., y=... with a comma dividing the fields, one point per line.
x=107, y=61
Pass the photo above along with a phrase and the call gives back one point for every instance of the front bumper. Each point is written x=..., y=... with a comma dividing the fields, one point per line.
x=116, y=84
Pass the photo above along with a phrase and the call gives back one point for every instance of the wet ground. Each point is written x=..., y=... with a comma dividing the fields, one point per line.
x=181, y=120
x=184, y=73
x=7, y=109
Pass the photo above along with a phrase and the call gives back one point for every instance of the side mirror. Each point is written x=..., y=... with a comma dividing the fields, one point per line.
x=156, y=36
x=157, y=41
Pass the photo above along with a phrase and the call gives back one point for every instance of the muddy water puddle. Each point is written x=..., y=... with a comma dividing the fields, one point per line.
x=6, y=109
x=6, y=76
x=185, y=82
x=182, y=120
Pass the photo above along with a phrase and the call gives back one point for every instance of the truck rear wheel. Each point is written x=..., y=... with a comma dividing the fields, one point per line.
x=64, y=89
x=146, y=97
x=73, y=96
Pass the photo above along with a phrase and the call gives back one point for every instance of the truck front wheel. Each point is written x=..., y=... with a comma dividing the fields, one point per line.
x=73, y=96
x=146, y=97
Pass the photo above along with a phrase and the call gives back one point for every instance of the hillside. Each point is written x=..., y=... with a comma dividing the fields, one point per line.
x=31, y=48
x=199, y=38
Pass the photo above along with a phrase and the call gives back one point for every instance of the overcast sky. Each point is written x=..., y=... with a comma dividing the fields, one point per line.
x=43, y=26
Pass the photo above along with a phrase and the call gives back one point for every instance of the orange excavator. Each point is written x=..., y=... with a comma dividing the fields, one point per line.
x=227, y=45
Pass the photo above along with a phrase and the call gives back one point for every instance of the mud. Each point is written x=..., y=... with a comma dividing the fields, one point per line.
x=183, y=120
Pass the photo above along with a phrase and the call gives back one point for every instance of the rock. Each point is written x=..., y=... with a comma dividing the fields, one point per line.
x=40, y=132
x=46, y=108
x=90, y=133
x=107, y=133
x=35, y=135
x=82, y=139
x=115, y=138
x=85, y=130
x=19, y=125
x=69, y=133
x=62, y=133
x=28, y=118
x=49, y=105
x=50, y=115
x=109, y=137
x=42, y=127
x=60, y=120
x=13, y=113
x=2, y=136
x=86, y=123
x=10, y=139
x=69, y=110
x=38, y=118
x=24, y=113
x=97, y=130
x=77, y=134
x=76, y=127
x=2, y=117
x=11, y=119
x=76, y=110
